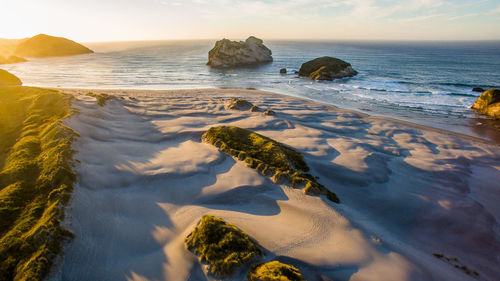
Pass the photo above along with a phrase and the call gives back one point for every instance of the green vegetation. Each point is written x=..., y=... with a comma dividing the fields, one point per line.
x=274, y=271
x=49, y=46
x=36, y=179
x=100, y=98
x=489, y=103
x=326, y=68
x=223, y=246
x=267, y=156
x=9, y=79
x=11, y=59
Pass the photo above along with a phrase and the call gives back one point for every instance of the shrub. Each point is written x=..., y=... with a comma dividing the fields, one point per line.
x=274, y=271
x=100, y=98
x=267, y=156
x=223, y=246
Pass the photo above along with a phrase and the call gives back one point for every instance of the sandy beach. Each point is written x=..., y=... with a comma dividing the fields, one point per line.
x=407, y=192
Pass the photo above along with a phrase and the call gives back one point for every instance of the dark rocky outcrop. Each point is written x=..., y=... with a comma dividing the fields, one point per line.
x=49, y=46
x=228, y=53
x=327, y=68
x=489, y=103
x=9, y=79
x=478, y=90
x=283, y=71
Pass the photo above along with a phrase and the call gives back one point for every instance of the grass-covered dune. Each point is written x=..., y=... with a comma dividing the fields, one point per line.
x=36, y=179
x=267, y=156
x=223, y=246
x=9, y=79
x=43, y=45
x=274, y=271
x=101, y=99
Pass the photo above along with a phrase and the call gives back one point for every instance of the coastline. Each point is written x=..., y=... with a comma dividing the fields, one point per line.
x=493, y=139
x=145, y=179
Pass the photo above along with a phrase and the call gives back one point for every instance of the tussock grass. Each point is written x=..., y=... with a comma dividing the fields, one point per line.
x=223, y=246
x=267, y=156
x=274, y=271
x=36, y=179
x=100, y=98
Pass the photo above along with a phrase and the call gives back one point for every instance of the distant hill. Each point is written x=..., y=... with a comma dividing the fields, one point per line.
x=49, y=46
x=7, y=46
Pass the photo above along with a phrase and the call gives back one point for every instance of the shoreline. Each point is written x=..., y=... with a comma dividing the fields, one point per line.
x=124, y=92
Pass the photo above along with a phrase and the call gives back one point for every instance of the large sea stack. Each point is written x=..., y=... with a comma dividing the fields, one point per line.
x=49, y=46
x=228, y=53
x=489, y=103
x=326, y=68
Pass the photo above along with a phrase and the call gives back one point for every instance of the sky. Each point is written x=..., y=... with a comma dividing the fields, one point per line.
x=130, y=20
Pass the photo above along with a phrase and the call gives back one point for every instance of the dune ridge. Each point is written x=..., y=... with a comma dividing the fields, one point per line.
x=145, y=180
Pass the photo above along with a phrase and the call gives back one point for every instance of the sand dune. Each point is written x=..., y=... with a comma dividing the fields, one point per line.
x=407, y=192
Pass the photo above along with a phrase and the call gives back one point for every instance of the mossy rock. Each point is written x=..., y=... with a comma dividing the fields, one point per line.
x=274, y=271
x=326, y=68
x=223, y=246
x=267, y=156
x=489, y=103
x=43, y=45
x=9, y=79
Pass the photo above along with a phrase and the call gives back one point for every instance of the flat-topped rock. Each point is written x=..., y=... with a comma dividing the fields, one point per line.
x=9, y=79
x=327, y=68
x=49, y=46
x=227, y=53
x=489, y=103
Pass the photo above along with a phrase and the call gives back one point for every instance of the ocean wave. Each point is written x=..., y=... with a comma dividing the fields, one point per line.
x=462, y=95
x=393, y=90
x=467, y=85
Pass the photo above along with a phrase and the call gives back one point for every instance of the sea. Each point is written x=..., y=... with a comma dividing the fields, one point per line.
x=428, y=83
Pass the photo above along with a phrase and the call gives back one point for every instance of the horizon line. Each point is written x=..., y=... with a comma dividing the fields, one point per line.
x=298, y=39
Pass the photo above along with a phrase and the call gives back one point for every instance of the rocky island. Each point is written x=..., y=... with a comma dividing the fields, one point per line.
x=327, y=68
x=43, y=45
x=227, y=53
